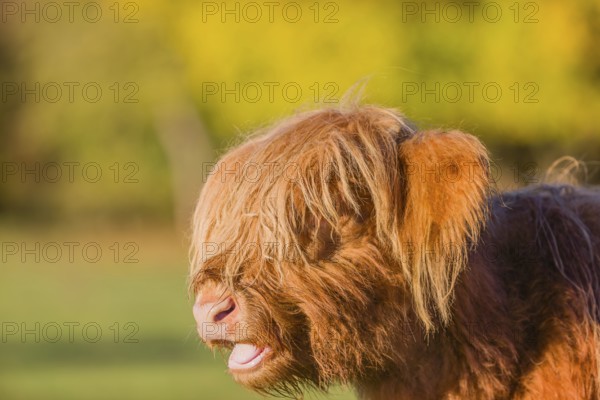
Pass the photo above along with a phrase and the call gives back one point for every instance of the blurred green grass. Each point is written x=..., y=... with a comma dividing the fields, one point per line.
x=167, y=361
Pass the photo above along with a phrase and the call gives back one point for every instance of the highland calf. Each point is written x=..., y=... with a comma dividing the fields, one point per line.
x=342, y=246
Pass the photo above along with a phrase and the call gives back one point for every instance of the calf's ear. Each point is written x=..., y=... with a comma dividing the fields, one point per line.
x=446, y=187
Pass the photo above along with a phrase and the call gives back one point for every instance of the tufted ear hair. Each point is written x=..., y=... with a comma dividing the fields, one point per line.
x=446, y=184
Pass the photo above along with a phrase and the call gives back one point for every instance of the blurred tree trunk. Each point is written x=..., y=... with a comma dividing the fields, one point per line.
x=189, y=151
x=8, y=106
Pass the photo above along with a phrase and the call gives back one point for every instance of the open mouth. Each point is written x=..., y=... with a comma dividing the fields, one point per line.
x=245, y=357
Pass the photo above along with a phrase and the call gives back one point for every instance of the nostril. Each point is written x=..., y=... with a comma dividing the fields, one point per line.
x=221, y=315
x=223, y=309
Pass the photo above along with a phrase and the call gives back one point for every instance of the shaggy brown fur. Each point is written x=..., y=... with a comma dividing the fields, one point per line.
x=365, y=253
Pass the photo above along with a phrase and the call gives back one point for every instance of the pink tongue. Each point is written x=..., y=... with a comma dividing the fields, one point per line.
x=244, y=353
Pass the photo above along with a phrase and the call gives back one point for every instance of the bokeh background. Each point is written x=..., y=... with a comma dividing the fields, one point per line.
x=111, y=114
